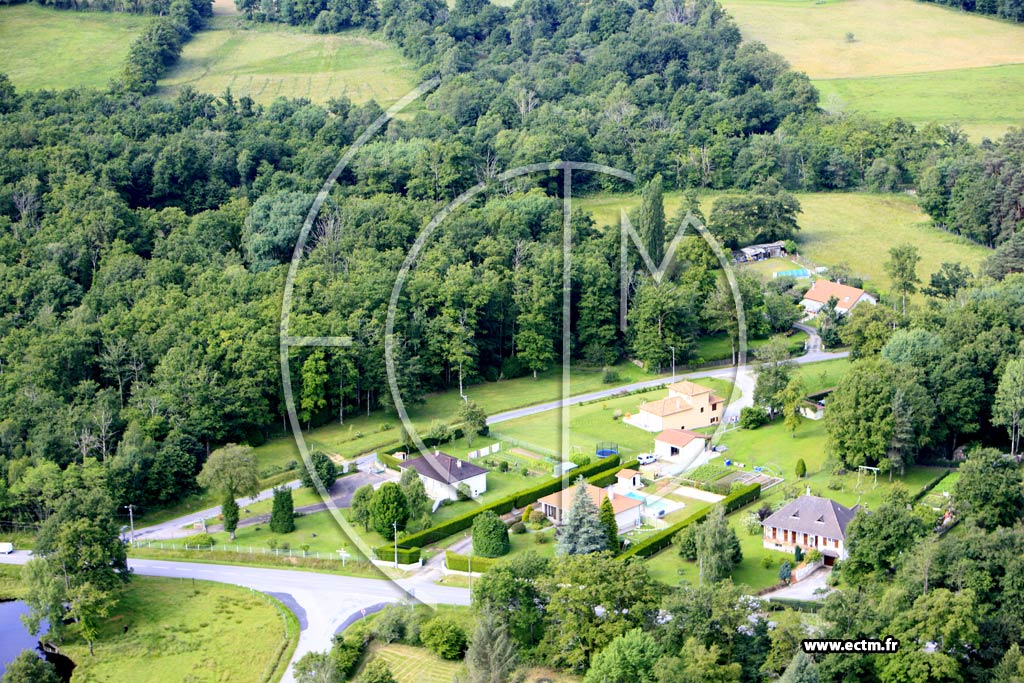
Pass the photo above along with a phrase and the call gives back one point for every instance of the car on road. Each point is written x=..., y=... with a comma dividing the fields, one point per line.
x=6, y=548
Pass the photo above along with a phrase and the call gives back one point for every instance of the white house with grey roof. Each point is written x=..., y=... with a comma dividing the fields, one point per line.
x=810, y=522
x=442, y=474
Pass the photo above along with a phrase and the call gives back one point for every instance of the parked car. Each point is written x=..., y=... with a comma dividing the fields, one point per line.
x=646, y=459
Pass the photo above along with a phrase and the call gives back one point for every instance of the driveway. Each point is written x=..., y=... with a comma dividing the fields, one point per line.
x=806, y=589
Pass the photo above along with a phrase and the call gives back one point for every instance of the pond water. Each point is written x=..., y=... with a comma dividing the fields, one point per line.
x=13, y=636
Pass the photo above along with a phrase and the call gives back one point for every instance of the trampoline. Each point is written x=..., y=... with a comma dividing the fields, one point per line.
x=606, y=449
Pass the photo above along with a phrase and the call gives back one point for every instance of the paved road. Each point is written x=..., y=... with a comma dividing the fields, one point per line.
x=180, y=527
x=743, y=376
x=323, y=602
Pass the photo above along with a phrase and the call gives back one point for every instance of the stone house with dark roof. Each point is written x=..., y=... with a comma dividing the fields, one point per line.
x=810, y=522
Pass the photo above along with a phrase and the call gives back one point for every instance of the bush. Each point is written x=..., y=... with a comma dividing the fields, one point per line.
x=813, y=555
x=580, y=459
x=801, y=468
x=377, y=671
x=541, y=539
x=463, y=492
x=490, y=535
x=537, y=517
x=767, y=562
x=517, y=528
x=503, y=466
x=444, y=637
x=202, y=540
x=609, y=376
x=798, y=554
x=753, y=417
x=785, y=571
x=686, y=543
x=527, y=513
x=405, y=555
x=282, y=516
x=324, y=468
x=389, y=625
x=461, y=563
x=387, y=508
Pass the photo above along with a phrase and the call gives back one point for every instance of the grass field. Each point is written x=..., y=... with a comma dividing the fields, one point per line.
x=841, y=227
x=416, y=664
x=48, y=48
x=177, y=631
x=270, y=61
x=915, y=60
x=985, y=101
x=594, y=422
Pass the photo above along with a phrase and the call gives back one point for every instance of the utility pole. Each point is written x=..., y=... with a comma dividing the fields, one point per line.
x=471, y=569
x=131, y=521
x=395, y=525
x=673, y=363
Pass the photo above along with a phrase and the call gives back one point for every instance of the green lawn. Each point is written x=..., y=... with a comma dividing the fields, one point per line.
x=48, y=48
x=824, y=375
x=718, y=346
x=266, y=61
x=918, y=61
x=172, y=631
x=840, y=227
x=328, y=537
x=594, y=422
x=984, y=101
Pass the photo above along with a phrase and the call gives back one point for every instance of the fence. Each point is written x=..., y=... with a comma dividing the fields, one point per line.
x=243, y=550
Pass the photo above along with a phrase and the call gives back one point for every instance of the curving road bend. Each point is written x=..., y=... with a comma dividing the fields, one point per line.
x=323, y=603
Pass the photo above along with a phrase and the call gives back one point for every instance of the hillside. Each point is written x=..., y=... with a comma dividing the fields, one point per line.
x=265, y=61
x=845, y=227
x=47, y=48
x=897, y=38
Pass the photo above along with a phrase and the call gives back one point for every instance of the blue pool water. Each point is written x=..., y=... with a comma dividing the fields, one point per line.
x=654, y=506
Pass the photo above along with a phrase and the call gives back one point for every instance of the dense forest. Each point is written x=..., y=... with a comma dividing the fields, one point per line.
x=142, y=239
x=1004, y=9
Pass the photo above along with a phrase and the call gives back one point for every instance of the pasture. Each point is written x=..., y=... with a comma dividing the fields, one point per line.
x=900, y=58
x=269, y=61
x=839, y=227
x=42, y=48
x=179, y=631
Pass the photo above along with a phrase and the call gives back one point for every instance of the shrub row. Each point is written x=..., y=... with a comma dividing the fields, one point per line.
x=160, y=44
x=504, y=505
x=405, y=555
x=931, y=484
x=460, y=563
x=663, y=539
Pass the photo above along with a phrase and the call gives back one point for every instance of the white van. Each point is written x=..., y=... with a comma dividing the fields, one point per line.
x=646, y=459
x=6, y=548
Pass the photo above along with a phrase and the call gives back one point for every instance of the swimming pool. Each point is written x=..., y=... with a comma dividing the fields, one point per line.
x=654, y=506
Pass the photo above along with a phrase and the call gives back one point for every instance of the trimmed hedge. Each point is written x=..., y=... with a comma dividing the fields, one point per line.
x=608, y=478
x=388, y=461
x=460, y=563
x=663, y=539
x=504, y=505
x=405, y=555
x=932, y=484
